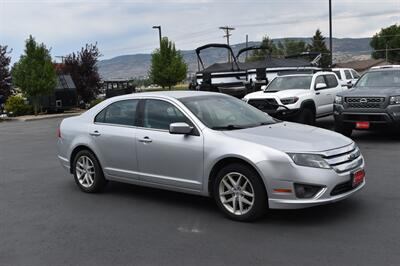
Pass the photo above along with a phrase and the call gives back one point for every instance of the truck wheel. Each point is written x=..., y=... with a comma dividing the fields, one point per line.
x=306, y=116
x=240, y=193
x=343, y=129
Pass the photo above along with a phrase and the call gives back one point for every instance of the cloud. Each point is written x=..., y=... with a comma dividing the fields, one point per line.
x=125, y=26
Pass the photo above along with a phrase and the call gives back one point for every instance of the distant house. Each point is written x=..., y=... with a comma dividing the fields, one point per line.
x=64, y=96
x=363, y=65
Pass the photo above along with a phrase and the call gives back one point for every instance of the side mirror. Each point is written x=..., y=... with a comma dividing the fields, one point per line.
x=180, y=128
x=349, y=85
x=320, y=86
x=263, y=87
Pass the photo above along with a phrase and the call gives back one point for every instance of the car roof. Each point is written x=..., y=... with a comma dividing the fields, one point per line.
x=167, y=94
x=383, y=69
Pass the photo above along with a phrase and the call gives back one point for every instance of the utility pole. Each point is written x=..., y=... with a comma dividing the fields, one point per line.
x=330, y=32
x=227, y=35
x=247, y=44
x=159, y=32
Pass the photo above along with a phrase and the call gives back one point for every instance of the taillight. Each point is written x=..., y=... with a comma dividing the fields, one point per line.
x=59, y=133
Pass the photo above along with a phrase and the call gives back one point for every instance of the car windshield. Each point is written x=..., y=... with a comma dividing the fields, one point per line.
x=290, y=83
x=225, y=112
x=386, y=78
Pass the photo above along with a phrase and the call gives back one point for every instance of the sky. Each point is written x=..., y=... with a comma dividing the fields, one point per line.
x=125, y=26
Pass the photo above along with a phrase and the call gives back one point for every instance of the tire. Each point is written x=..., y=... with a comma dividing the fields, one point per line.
x=237, y=203
x=307, y=116
x=343, y=129
x=87, y=172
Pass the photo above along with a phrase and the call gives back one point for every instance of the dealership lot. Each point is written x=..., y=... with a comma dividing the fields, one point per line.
x=45, y=219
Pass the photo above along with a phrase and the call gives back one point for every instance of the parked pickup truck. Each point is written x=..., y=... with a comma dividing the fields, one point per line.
x=299, y=98
x=373, y=103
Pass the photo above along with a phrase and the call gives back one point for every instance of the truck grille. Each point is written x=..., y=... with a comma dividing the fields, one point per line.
x=264, y=104
x=344, y=159
x=365, y=102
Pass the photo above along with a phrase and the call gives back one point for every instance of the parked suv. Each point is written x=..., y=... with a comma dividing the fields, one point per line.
x=300, y=98
x=347, y=76
x=374, y=102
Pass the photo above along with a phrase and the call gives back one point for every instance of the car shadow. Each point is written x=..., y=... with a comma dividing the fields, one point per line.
x=324, y=214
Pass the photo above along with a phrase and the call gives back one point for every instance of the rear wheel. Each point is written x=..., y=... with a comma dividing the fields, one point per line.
x=306, y=116
x=88, y=173
x=240, y=193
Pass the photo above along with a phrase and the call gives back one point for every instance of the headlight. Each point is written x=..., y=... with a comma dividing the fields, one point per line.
x=338, y=99
x=310, y=160
x=394, y=100
x=289, y=100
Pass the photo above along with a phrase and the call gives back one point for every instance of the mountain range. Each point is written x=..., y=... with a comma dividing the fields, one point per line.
x=137, y=65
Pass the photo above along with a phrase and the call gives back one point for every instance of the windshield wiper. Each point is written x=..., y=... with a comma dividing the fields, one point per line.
x=228, y=127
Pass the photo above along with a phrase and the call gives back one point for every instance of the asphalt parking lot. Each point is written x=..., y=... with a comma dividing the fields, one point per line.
x=46, y=220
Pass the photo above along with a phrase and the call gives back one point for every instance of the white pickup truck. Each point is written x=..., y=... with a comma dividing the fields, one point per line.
x=299, y=98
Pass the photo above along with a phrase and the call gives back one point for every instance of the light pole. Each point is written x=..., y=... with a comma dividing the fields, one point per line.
x=330, y=32
x=159, y=32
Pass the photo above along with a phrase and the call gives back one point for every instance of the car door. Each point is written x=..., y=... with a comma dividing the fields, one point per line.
x=322, y=98
x=333, y=88
x=114, y=136
x=164, y=158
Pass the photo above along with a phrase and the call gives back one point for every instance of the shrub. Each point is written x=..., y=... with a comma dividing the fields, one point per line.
x=95, y=102
x=15, y=106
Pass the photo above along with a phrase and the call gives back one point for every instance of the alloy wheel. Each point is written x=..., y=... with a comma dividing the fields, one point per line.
x=236, y=193
x=85, y=171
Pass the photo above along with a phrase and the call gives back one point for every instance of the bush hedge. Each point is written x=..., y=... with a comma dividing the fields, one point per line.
x=16, y=106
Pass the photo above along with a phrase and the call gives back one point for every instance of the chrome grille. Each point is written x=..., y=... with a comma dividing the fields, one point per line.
x=344, y=159
x=365, y=102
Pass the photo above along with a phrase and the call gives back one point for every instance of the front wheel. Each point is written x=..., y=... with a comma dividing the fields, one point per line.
x=306, y=116
x=240, y=193
x=343, y=129
x=88, y=173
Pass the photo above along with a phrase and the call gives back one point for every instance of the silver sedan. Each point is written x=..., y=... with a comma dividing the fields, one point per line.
x=209, y=144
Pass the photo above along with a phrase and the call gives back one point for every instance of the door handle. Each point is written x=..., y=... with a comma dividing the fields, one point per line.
x=317, y=93
x=329, y=94
x=95, y=133
x=145, y=140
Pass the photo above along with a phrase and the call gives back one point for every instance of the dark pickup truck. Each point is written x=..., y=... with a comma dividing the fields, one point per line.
x=373, y=103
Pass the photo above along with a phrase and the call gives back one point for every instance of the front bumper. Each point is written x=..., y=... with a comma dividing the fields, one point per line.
x=279, y=176
x=389, y=117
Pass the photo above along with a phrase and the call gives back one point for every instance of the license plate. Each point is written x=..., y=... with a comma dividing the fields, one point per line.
x=362, y=125
x=358, y=177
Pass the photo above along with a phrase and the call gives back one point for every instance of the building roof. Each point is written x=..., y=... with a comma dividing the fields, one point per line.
x=65, y=82
x=362, y=65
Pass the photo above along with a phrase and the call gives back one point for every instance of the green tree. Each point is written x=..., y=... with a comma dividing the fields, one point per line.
x=82, y=66
x=267, y=48
x=387, y=39
x=318, y=45
x=291, y=47
x=34, y=73
x=167, y=65
x=5, y=77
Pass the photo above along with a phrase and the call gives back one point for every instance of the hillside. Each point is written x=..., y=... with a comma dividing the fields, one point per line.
x=137, y=65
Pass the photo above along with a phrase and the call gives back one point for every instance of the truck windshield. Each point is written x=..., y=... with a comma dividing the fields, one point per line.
x=225, y=112
x=385, y=78
x=290, y=83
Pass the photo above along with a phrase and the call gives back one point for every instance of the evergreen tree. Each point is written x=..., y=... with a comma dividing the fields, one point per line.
x=267, y=48
x=34, y=73
x=5, y=77
x=167, y=65
x=318, y=45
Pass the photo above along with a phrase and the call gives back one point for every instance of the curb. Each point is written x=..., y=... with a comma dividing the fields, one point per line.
x=29, y=119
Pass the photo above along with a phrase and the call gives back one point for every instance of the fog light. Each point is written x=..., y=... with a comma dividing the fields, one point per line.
x=306, y=191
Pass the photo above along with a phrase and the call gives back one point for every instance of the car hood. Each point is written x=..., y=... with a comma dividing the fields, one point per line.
x=278, y=94
x=372, y=91
x=292, y=137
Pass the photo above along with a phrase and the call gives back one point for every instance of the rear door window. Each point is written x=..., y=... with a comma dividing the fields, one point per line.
x=347, y=74
x=119, y=113
x=331, y=81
